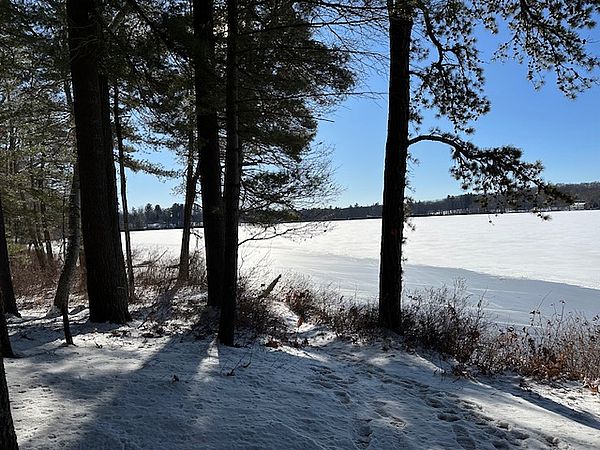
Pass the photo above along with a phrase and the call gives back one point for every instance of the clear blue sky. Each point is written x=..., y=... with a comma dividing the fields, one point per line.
x=563, y=133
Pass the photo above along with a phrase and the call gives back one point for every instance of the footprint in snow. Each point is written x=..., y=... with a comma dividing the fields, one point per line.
x=342, y=396
x=363, y=432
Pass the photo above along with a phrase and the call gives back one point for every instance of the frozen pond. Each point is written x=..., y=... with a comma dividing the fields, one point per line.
x=517, y=261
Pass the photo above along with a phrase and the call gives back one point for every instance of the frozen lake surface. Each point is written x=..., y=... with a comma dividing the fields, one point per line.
x=516, y=261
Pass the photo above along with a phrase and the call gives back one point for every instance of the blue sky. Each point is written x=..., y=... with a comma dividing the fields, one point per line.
x=563, y=133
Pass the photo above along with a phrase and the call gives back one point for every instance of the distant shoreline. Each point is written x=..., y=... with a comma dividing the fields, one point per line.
x=342, y=219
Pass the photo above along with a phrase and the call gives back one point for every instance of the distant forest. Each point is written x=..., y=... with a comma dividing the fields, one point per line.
x=585, y=196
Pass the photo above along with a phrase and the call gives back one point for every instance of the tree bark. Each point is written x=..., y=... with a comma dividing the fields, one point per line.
x=123, y=177
x=7, y=291
x=191, y=183
x=44, y=218
x=8, y=437
x=106, y=278
x=208, y=142
x=394, y=183
x=233, y=162
x=61, y=299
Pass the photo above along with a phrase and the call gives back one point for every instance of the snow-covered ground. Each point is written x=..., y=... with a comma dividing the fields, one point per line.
x=144, y=386
x=120, y=388
x=516, y=261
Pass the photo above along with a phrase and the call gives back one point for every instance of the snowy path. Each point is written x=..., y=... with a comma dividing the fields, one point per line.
x=120, y=390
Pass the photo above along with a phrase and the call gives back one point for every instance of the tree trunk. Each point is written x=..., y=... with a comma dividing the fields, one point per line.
x=61, y=299
x=44, y=218
x=7, y=291
x=233, y=173
x=35, y=224
x=191, y=183
x=119, y=133
x=8, y=437
x=208, y=142
x=394, y=182
x=106, y=278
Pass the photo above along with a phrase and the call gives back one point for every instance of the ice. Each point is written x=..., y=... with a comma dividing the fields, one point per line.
x=518, y=262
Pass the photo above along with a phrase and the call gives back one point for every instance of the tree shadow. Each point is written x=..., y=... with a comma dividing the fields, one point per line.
x=581, y=417
x=180, y=392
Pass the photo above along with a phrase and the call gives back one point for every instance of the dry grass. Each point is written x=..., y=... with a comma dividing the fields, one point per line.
x=444, y=320
x=326, y=307
x=563, y=346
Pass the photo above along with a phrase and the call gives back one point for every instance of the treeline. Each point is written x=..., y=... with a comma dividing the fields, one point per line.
x=583, y=196
x=156, y=217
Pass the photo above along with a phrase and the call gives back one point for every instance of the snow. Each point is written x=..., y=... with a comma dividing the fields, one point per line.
x=517, y=262
x=120, y=390
x=152, y=385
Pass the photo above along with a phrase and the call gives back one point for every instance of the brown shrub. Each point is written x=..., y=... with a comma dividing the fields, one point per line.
x=346, y=318
x=563, y=346
x=444, y=320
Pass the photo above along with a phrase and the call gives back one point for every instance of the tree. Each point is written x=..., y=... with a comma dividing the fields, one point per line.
x=106, y=278
x=233, y=180
x=34, y=127
x=205, y=82
x=61, y=298
x=8, y=437
x=123, y=185
x=7, y=291
x=274, y=94
x=434, y=63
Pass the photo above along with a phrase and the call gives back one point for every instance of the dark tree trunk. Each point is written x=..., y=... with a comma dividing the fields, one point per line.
x=208, y=143
x=191, y=183
x=61, y=299
x=233, y=173
x=7, y=291
x=8, y=437
x=119, y=134
x=106, y=278
x=44, y=219
x=394, y=183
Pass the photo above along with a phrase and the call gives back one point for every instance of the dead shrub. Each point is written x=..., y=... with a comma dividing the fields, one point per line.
x=562, y=346
x=444, y=320
x=255, y=312
x=32, y=280
x=326, y=307
x=158, y=271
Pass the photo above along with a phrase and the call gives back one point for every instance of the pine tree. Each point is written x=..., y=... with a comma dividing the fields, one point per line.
x=435, y=63
x=106, y=278
x=8, y=437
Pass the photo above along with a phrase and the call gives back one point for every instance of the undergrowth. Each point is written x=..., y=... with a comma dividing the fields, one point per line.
x=564, y=346
x=345, y=317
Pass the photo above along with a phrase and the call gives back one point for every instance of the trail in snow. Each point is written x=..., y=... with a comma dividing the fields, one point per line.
x=120, y=390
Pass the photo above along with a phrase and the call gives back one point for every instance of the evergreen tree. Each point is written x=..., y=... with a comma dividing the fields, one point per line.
x=435, y=63
x=8, y=437
x=106, y=278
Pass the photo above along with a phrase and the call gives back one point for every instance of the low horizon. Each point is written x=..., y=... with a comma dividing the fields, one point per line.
x=354, y=205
